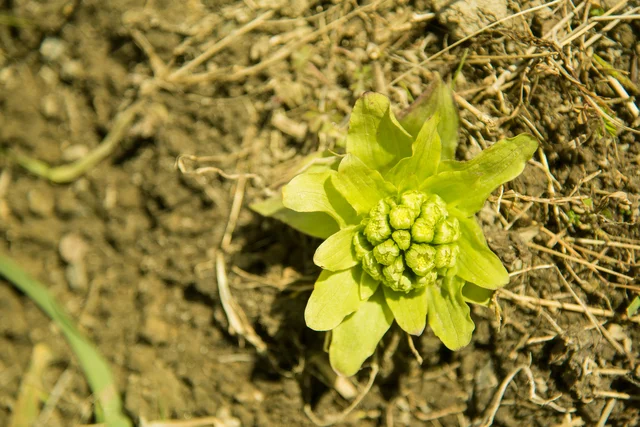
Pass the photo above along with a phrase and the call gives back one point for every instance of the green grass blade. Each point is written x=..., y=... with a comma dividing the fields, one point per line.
x=93, y=364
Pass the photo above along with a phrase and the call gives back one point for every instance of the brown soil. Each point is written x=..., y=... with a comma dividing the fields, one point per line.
x=144, y=286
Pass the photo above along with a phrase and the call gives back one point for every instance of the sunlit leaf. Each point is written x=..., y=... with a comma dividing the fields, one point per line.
x=467, y=185
x=476, y=295
x=357, y=337
x=316, y=224
x=449, y=315
x=424, y=161
x=375, y=136
x=438, y=98
x=361, y=186
x=336, y=253
x=409, y=309
x=94, y=365
x=314, y=192
x=368, y=286
x=476, y=262
x=335, y=295
x=633, y=308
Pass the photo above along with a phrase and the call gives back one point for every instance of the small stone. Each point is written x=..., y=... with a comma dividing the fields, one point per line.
x=41, y=203
x=465, y=18
x=50, y=107
x=76, y=275
x=155, y=330
x=53, y=49
x=72, y=248
x=71, y=70
x=249, y=394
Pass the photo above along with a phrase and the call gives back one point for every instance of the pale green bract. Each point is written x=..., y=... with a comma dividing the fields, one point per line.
x=403, y=242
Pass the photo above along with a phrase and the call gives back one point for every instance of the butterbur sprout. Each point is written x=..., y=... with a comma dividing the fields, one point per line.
x=397, y=213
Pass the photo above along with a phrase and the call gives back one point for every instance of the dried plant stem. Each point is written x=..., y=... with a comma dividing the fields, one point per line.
x=71, y=172
x=503, y=293
x=218, y=46
x=230, y=76
x=602, y=422
x=591, y=265
x=238, y=322
x=334, y=419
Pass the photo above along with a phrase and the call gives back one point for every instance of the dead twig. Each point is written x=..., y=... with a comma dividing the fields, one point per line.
x=70, y=172
x=491, y=411
x=434, y=415
x=330, y=420
x=238, y=322
x=576, y=308
x=591, y=265
x=602, y=422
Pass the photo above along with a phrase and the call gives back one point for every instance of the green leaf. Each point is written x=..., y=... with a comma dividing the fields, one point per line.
x=357, y=337
x=409, y=309
x=314, y=192
x=438, y=98
x=467, y=185
x=476, y=295
x=335, y=295
x=94, y=365
x=634, y=306
x=368, y=286
x=361, y=186
x=375, y=136
x=316, y=224
x=476, y=262
x=449, y=315
x=336, y=253
x=424, y=161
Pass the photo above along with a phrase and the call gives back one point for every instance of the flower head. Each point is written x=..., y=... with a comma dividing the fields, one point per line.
x=402, y=243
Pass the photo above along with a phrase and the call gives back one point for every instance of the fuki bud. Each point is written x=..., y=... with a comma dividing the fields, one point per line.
x=420, y=258
x=423, y=229
x=371, y=266
x=428, y=279
x=401, y=217
x=377, y=230
x=446, y=255
x=386, y=252
x=393, y=273
x=446, y=231
x=402, y=239
x=360, y=245
x=413, y=199
x=381, y=208
x=434, y=208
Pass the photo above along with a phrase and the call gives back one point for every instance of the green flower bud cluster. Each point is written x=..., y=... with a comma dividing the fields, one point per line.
x=407, y=242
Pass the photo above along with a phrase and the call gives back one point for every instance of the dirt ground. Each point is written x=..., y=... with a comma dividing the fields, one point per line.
x=129, y=248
